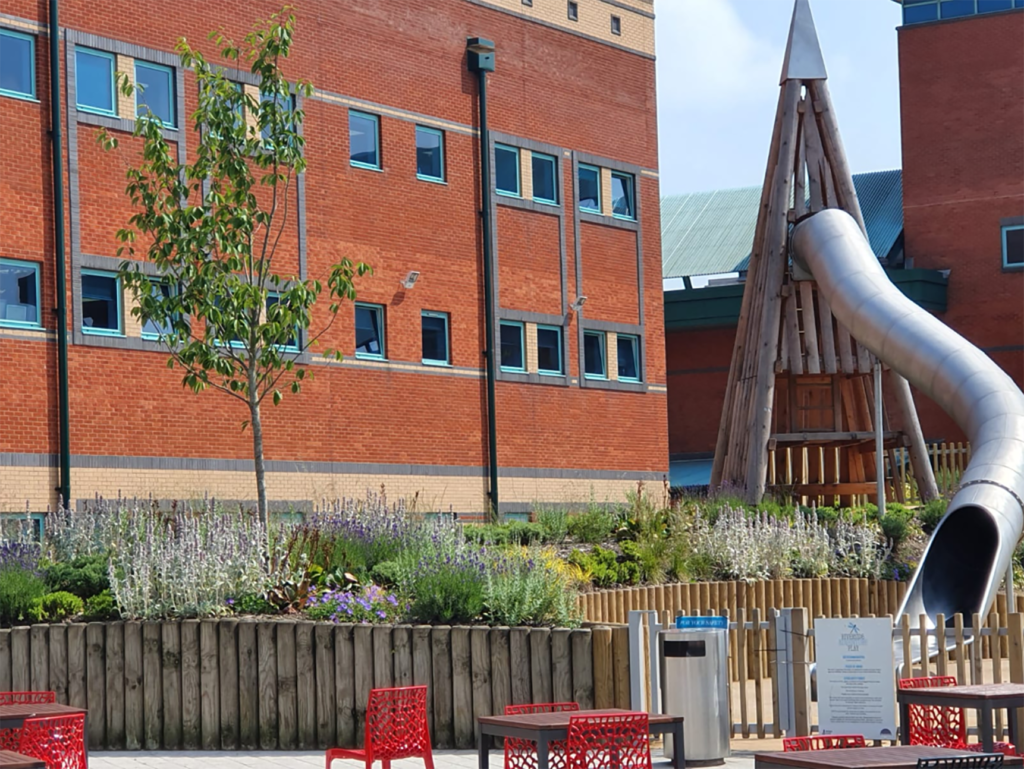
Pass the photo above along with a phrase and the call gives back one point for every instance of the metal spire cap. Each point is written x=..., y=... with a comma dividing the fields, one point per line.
x=803, y=59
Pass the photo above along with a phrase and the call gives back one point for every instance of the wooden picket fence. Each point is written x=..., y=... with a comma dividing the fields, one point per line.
x=233, y=684
x=948, y=463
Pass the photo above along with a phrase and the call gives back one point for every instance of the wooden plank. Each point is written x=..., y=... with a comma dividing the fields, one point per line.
x=209, y=685
x=480, y=661
x=501, y=669
x=773, y=672
x=801, y=674
x=799, y=169
x=961, y=656
x=604, y=670
x=95, y=639
x=940, y=658
x=77, y=665
x=820, y=489
x=248, y=686
x=462, y=688
x=362, y=641
x=1015, y=633
x=976, y=650
x=540, y=664
x=582, y=668
x=5, y=661
x=620, y=659
x=326, y=710
x=383, y=664
x=401, y=641
x=191, y=686
x=345, y=685
x=422, y=672
x=815, y=160
x=846, y=360
x=741, y=660
x=58, y=663
x=288, y=706
x=810, y=326
x=441, y=662
x=170, y=682
x=21, y=660
x=561, y=666
x=227, y=670
x=756, y=671
x=792, y=331
x=305, y=685
x=519, y=650
x=39, y=654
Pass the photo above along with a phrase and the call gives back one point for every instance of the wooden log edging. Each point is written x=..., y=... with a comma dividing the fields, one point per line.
x=277, y=685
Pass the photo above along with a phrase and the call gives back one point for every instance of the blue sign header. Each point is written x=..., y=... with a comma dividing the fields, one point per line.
x=702, y=623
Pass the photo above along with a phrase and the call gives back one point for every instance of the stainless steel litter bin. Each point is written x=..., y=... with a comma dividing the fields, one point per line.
x=694, y=684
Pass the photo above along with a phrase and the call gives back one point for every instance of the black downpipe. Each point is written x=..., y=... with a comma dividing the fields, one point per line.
x=489, y=352
x=60, y=307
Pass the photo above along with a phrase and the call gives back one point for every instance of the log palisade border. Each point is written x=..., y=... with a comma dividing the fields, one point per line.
x=225, y=684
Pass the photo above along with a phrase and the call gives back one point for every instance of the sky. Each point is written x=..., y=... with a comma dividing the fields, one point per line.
x=718, y=65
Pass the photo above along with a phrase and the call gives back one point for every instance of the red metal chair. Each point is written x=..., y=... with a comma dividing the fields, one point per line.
x=941, y=726
x=822, y=742
x=522, y=754
x=57, y=740
x=9, y=737
x=619, y=741
x=396, y=727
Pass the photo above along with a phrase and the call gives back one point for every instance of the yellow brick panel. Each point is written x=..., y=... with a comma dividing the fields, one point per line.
x=612, y=340
x=132, y=325
x=526, y=174
x=531, y=348
x=126, y=104
x=606, y=191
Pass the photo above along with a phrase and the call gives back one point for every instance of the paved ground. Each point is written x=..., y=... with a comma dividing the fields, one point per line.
x=443, y=759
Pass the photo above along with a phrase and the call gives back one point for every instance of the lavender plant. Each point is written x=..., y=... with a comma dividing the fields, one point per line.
x=370, y=604
x=531, y=587
x=857, y=552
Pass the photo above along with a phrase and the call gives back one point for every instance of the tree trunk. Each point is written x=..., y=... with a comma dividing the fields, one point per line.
x=257, y=455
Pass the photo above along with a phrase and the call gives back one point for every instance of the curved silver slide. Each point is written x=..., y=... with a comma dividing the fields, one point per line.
x=970, y=551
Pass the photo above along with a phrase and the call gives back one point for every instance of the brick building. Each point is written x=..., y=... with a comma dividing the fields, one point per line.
x=392, y=143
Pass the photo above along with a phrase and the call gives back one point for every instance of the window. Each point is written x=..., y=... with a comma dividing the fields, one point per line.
x=594, y=355
x=153, y=329
x=987, y=6
x=292, y=343
x=285, y=104
x=528, y=2
x=94, y=81
x=429, y=154
x=574, y=11
x=628, y=348
x=616, y=25
x=622, y=196
x=155, y=92
x=1013, y=247
x=364, y=140
x=912, y=14
x=19, y=293
x=549, y=350
x=17, y=64
x=544, y=179
x=435, y=338
x=512, y=358
x=589, y=183
x=952, y=9
x=101, y=302
x=369, y=331
x=506, y=170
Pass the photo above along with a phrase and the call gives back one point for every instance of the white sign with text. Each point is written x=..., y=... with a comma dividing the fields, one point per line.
x=856, y=685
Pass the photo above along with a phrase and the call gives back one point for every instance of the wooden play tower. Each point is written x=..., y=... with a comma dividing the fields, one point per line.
x=799, y=413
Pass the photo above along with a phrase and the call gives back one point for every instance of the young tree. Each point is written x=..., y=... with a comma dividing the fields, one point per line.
x=213, y=227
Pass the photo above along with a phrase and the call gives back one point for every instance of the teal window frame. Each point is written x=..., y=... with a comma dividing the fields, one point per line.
x=519, y=172
x=587, y=167
x=172, y=91
x=447, y=338
x=636, y=357
x=31, y=66
x=112, y=112
x=376, y=138
x=382, y=330
x=36, y=267
x=118, y=295
x=631, y=198
x=604, y=355
x=157, y=285
x=440, y=134
x=284, y=347
x=522, y=345
x=560, y=371
x=1005, y=231
x=37, y=521
x=554, y=177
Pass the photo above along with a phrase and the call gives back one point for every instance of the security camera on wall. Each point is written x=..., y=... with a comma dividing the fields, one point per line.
x=410, y=280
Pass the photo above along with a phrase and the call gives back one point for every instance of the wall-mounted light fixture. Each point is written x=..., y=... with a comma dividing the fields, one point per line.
x=578, y=304
x=410, y=280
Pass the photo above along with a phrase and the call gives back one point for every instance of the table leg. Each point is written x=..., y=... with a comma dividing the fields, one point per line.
x=542, y=752
x=678, y=755
x=483, y=748
x=1012, y=715
x=904, y=723
x=988, y=742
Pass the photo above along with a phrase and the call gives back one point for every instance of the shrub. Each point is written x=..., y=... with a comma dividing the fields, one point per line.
x=554, y=523
x=57, y=607
x=529, y=588
x=512, y=533
x=605, y=567
x=895, y=523
x=100, y=607
x=386, y=573
x=20, y=589
x=84, y=576
x=592, y=526
x=251, y=603
x=931, y=513
x=370, y=604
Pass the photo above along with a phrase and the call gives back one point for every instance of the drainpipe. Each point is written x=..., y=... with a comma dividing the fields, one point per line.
x=60, y=307
x=480, y=59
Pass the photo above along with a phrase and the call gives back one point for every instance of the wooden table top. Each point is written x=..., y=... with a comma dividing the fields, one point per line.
x=560, y=720
x=11, y=760
x=32, y=711
x=895, y=757
x=975, y=692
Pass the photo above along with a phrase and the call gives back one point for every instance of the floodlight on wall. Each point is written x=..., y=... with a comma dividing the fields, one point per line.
x=410, y=280
x=578, y=304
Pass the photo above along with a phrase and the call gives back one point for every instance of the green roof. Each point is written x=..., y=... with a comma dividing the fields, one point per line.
x=709, y=233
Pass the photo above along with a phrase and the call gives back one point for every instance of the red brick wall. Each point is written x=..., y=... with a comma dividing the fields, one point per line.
x=698, y=373
x=550, y=87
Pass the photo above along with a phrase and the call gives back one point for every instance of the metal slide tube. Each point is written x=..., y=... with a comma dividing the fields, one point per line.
x=972, y=547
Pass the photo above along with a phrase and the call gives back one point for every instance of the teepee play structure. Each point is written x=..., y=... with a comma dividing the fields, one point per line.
x=801, y=417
